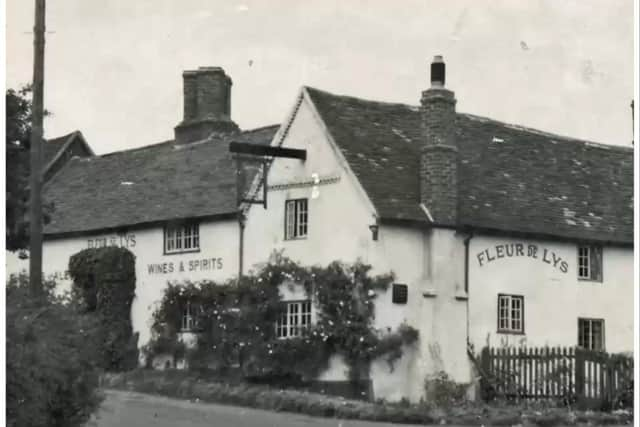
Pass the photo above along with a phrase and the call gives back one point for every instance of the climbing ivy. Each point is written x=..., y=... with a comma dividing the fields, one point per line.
x=104, y=283
x=236, y=322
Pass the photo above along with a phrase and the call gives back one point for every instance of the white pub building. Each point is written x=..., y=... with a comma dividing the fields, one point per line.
x=498, y=234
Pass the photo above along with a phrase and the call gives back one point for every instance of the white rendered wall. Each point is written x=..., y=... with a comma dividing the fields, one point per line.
x=217, y=260
x=554, y=299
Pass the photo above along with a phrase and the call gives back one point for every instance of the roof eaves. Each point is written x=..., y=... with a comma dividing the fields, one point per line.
x=543, y=236
x=223, y=216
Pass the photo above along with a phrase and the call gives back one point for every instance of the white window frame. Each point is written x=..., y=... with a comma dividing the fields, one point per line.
x=182, y=238
x=586, y=335
x=584, y=262
x=590, y=263
x=296, y=219
x=510, y=314
x=296, y=317
x=189, y=321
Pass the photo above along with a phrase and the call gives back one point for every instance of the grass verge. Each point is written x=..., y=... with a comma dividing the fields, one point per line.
x=186, y=385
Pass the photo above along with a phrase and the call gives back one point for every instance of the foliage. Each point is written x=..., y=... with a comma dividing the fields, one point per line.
x=104, y=283
x=624, y=396
x=442, y=391
x=184, y=384
x=18, y=133
x=188, y=385
x=52, y=375
x=236, y=321
x=17, y=151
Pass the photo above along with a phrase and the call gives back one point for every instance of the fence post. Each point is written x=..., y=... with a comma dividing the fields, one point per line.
x=580, y=360
x=485, y=364
x=609, y=380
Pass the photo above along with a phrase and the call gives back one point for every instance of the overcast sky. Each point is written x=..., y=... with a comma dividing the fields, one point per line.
x=113, y=67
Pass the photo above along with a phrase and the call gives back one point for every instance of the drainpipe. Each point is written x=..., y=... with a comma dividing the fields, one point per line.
x=241, y=222
x=466, y=275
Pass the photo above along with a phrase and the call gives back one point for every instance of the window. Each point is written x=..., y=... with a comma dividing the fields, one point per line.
x=295, y=219
x=182, y=238
x=189, y=317
x=591, y=334
x=294, y=319
x=511, y=314
x=399, y=294
x=590, y=263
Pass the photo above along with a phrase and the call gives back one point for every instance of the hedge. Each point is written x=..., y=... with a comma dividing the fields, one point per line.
x=52, y=373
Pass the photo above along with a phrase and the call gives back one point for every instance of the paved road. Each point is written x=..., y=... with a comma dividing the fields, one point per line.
x=123, y=409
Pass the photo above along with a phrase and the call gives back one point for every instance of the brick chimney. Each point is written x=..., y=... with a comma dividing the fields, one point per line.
x=439, y=151
x=207, y=105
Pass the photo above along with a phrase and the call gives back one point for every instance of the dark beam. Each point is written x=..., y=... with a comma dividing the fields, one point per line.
x=267, y=151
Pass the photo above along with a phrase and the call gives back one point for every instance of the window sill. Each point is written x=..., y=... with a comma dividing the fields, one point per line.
x=293, y=239
x=602, y=350
x=290, y=337
x=580, y=279
x=190, y=251
x=511, y=332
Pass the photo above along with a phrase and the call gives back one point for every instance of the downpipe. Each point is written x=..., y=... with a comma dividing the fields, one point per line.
x=466, y=241
x=241, y=223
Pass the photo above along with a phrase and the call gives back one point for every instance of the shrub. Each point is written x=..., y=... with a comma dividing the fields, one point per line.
x=443, y=392
x=104, y=282
x=52, y=375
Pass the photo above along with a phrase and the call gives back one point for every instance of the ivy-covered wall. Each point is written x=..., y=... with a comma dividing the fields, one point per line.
x=236, y=322
x=104, y=282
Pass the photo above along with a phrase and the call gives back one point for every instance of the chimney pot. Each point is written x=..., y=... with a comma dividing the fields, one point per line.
x=437, y=71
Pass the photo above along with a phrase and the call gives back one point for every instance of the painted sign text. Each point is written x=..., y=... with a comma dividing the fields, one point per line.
x=121, y=240
x=206, y=264
x=510, y=250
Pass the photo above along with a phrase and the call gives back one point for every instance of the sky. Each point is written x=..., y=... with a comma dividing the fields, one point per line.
x=114, y=67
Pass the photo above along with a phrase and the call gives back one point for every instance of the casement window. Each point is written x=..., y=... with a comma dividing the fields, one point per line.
x=182, y=238
x=399, y=293
x=591, y=334
x=511, y=314
x=295, y=318
x=590, y=263
x=295, y=219
x=189, y=317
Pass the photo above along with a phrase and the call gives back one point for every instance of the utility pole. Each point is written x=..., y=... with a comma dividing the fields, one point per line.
x=35, y=185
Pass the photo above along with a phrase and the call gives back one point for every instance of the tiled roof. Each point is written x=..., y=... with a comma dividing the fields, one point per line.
x=510, y=179
x=159, y=182
x=52, y=146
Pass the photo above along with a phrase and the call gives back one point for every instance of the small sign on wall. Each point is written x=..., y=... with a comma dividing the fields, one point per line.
x=521, y=250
